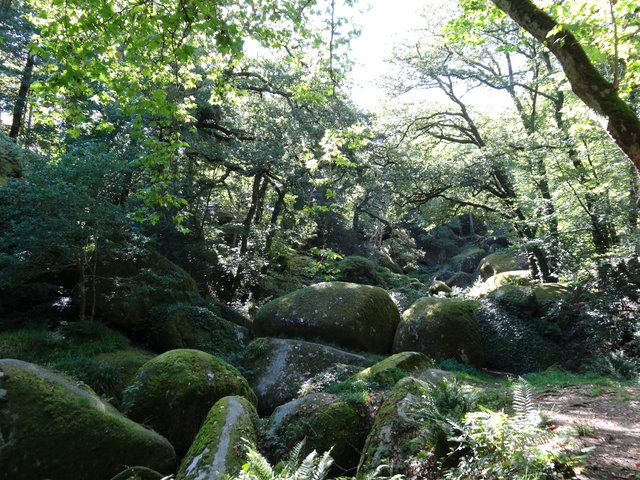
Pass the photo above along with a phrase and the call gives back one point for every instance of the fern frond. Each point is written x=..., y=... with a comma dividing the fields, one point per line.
x=259, y=467
x=305, y=470
x=323, y=466
x=526, y=413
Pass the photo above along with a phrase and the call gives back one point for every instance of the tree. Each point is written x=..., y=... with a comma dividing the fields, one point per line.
x=586, y=81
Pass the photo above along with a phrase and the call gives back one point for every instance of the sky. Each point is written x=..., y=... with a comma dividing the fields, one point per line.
x=385, y=24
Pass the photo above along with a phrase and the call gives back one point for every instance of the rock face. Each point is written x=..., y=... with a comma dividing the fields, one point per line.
x=51, y=428
x=354, y=316
x=389, y=441
x=128, y=288
x=173, y=392
x=189, y=326
x=280, y=367
x=441, y=328
x=217, y=449
x=326, y=422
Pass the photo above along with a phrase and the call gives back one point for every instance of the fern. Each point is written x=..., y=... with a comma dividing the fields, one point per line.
x=526, y=413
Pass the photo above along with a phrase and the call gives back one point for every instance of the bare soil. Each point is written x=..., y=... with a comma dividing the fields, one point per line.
x=608, y=420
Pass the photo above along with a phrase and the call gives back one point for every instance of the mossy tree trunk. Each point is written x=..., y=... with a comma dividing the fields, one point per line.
x=586, y=82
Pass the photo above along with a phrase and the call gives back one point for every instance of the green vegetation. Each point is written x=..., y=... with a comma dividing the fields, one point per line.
x=191, y=186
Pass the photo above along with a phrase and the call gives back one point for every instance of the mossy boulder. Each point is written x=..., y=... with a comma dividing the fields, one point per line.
x=357, y=269
x=173, y=392
x=10, y=159
x=391, y=440
x=514, y=277
x=514, y=342
x=52, y=428
x=439, y=288
x=441, y=328
x=326, y=422
x=181, y=325
x=383, y=371
x=518, y=299
x=128, y=288
x=460, y=280
x=547, y=293
x=278, y=368
x=354, y=316
x=218, y=449
x=497, y=263
x=469, y=260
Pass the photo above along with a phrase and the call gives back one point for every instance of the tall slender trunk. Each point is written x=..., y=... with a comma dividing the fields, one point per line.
x=246, y=231
x=21, y=102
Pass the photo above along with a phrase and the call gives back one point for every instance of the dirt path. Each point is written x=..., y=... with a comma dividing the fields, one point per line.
x=608, y=420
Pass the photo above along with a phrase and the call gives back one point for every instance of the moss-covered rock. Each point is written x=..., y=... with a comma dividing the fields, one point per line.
x=357, y=269
x=394, y=429
x=515, y=277
x=384, y=370
x=438, y=287
x=497, y=263
x=460, y=280
x=354, y=316
x=441, y=328
x=278, y=368
x=517, y=299
x=173, y=392
x=10, y=159
x=218, y=449
x=469, y=260
x=326, y=422
x=180, y=325
x=512, y=342
x=52, y=428
x=546, y=293
x=128, y=288
x=343, y=427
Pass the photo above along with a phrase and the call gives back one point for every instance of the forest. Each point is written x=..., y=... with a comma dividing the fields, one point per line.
x=217, y=263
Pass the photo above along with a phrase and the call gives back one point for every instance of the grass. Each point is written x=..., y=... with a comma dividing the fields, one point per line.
x=87, y=351
x=561, y=378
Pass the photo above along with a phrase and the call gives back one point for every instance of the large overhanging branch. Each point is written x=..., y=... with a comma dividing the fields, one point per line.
x=586, y=81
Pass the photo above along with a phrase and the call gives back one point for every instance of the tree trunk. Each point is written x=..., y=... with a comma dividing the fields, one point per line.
x=586, y=82
x=21, y=103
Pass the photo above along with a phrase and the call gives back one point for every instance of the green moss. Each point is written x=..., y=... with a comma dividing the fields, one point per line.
x=54, y=429
x=497, y=263
x=389, y=439
x=189, y=326
x=358, y=269
x=128, y=288
x=441, y=328
x=219, y=446
x=513, y=343
x=342, y=427
x=355, y=316
x=88, y=351
x=174, y=391
x=388, y=371
x=550, y=292
x=11, y=158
